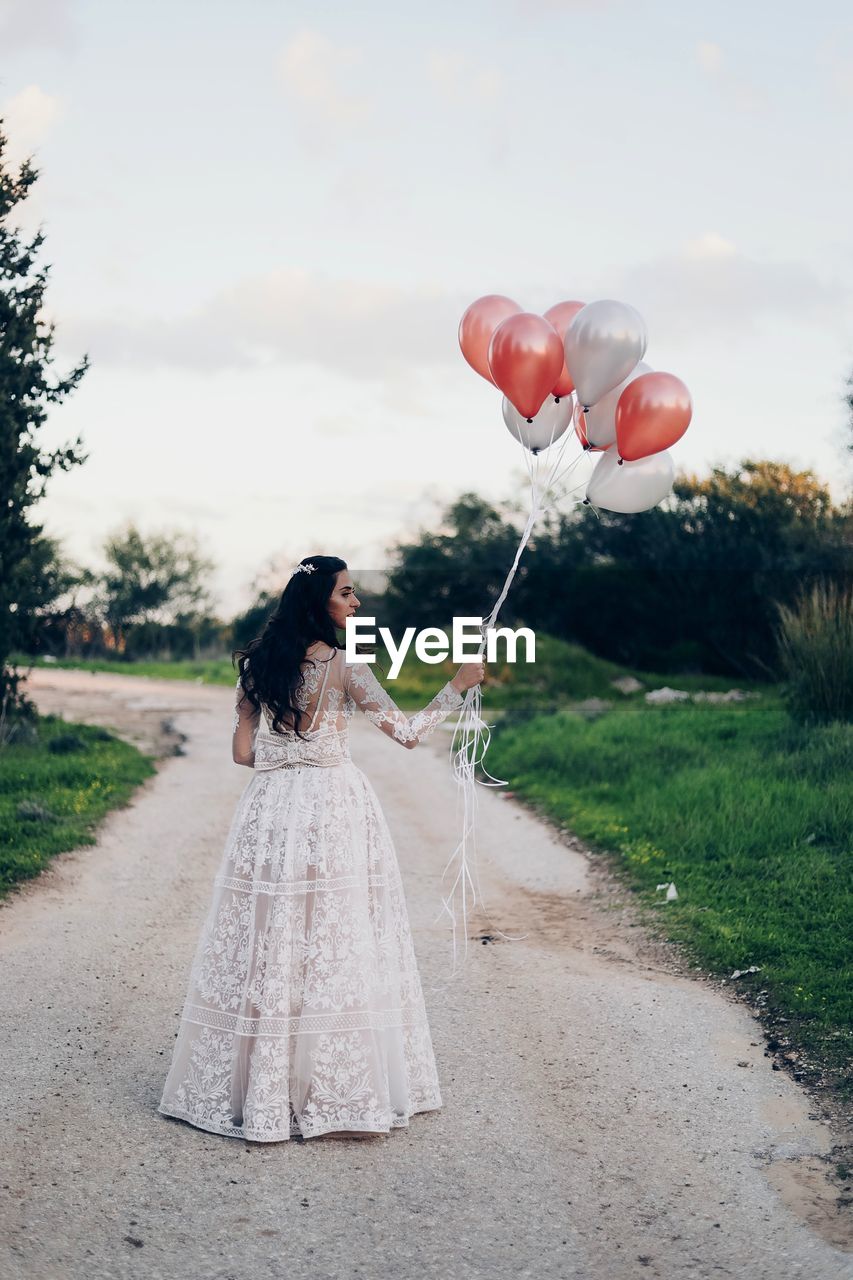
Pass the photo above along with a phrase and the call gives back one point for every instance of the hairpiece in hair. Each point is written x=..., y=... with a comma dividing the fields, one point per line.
x=304, y=568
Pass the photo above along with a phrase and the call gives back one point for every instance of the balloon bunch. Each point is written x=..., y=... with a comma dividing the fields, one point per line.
x=582, y=365
x=578, y=365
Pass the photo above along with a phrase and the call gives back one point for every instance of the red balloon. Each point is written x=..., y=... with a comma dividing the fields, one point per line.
x=653, y=412
x=561, y=316
x=525, y=357
x=580, y=430
x=477, y=326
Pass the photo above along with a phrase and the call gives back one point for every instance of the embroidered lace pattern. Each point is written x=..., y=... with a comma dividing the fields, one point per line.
x=304, y=1011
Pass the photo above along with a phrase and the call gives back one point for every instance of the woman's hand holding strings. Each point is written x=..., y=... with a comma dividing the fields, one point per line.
x=468, y=675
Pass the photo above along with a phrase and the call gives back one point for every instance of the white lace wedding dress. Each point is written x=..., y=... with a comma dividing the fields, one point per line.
x=305, y=1011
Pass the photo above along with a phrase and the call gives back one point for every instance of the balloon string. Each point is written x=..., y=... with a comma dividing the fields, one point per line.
x=470, y=742
x=471, y=734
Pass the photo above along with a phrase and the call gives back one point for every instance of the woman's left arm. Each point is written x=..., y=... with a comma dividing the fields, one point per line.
x=246, y=722
x=380, y=708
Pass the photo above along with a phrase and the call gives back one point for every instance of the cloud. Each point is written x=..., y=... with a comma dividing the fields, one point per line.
x=28, y=119
x=710, y=57
x=741, y=92
x=318, y=76
x=709, y=282
x=709, y=245
x=287, y=317
x=48, y=24
x=372, y=331
x=460, y=81
x=834, y=60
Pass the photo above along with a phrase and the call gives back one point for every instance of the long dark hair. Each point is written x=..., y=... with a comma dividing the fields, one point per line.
x=270, y=665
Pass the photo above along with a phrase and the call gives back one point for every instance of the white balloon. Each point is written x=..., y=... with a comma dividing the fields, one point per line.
x=548, y=425
x=601, y=417
x=630, y=486
x=604, y=342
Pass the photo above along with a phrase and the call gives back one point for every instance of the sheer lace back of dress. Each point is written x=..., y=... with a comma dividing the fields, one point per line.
x=321, y=690
x=334, y=688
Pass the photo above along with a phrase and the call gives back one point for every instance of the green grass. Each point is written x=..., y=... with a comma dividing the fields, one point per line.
x=750, y=817
x=562, y=673
x=52, y=801
x=207, y=671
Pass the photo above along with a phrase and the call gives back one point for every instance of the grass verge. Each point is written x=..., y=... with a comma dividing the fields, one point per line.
x=748, y=815
x=55, y=790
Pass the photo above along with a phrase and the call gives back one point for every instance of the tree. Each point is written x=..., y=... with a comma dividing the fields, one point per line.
x=47, y=577
x=694, y=581
x=28, y=390
x=692, y=584
x=457, y=571
x=61, y=624
x=156, y=579
x=847, y=447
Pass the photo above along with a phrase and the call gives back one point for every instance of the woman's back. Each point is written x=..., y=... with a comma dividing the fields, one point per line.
x=319, y=696
x=333, y=688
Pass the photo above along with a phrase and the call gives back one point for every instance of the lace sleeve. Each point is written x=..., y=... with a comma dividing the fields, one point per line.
x=245, y=727
x=381, y=710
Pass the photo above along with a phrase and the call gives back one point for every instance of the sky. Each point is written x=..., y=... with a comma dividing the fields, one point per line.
x=265, y=220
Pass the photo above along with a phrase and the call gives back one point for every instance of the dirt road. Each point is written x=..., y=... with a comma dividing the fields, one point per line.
x=605, y=1115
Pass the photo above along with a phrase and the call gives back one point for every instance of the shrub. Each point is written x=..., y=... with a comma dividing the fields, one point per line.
x=815, y=639
x=20, y=730
x=65, y=743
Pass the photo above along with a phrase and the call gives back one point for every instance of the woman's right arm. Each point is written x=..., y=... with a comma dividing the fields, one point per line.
x=246, y=722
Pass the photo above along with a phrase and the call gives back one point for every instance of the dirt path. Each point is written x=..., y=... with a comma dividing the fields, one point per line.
x=605, y=1115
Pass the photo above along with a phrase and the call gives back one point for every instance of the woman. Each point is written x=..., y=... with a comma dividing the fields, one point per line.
x=305, y=1013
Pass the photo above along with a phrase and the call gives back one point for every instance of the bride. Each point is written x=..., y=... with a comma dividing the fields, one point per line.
x=305, y=1013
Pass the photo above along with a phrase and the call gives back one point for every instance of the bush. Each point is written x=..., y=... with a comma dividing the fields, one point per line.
x=20, y=730
x=816, y=654
x=65, y=743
